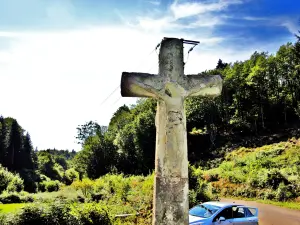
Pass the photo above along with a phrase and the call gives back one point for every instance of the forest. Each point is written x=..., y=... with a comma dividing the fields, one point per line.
x=244, y=143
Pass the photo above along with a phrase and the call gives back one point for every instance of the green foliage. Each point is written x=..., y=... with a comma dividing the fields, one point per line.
x=89, y=129
x=31, y=177
x=49, y=186
x=90, y=213
x=48, y=167
x=9, y=208
x=269, y=172
x=10, y=181
x=59, y=213
x=16, y=184
x=200, y=189
x=70, y=176
x=85, y=186
x=15, y=197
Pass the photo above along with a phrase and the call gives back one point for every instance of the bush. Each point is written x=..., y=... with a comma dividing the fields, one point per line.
x=52, y=186
x=59, y=213
x=269, y=195
x=7, y=198
x=86, y=186
x=70, y=176
x=90, y=213
x=31, y=179
x=49, y=186
x=16, y=197
x=16, y=184
x=284, y=192
x=10, y=181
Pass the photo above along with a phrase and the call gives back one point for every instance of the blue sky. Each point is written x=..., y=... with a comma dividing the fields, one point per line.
x=64, y=57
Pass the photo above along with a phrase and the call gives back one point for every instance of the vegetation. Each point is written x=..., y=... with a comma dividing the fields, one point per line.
x=244, y=143
x=270, y=172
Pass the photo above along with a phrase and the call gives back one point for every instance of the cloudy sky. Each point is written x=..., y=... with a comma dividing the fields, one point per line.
x=61, y=59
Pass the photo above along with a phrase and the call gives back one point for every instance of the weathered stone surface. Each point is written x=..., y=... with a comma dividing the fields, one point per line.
x=170, y=87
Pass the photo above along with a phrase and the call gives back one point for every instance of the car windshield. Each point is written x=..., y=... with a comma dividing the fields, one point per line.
x=204, y=210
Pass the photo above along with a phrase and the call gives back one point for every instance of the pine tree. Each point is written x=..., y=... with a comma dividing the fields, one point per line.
x=14, y=150
x=2, y=140
x=27, y=152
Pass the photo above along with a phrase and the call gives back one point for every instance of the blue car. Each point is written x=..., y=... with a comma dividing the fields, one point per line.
x=223, y=213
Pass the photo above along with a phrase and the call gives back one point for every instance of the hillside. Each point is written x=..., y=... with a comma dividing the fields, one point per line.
x=267, y=172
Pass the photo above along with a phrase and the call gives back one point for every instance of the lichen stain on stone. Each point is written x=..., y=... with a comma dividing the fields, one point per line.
x=174, y=118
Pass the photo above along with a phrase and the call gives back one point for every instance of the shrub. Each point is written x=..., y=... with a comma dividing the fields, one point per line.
x=29, y=215
x=59, y=213
x=91, y=213
x=52, y=185
x=49, y=186
x=86, y=186
x=16, y=197
x=7, y=198
x=16, y=184
x=44, y=178
x=192, y=198
x=211, y=175
x=70, y=176
x=10, y=180
x=284, y=192
x=275, y=178
x=269, y=195
x=31, y=179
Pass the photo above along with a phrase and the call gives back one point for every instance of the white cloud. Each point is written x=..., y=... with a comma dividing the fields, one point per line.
x=291, y=26
x=187, y=9
x=205, y=21
x=198, y=15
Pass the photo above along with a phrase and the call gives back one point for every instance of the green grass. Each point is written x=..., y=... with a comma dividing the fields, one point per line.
x=7, y=208
x=67, y=192
x=289, y=205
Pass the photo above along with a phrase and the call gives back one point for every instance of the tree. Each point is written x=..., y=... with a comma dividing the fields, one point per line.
x=89, y=129
x=221, y=65
x=27, y=153
x=3, y=133
x=14, y=149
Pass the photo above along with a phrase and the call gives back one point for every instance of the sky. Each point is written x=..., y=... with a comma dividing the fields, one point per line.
x=61, y=60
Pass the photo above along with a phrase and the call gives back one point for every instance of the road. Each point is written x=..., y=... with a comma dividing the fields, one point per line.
x=270, y=214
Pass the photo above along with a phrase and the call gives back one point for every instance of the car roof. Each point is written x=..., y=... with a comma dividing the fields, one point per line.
x=222, y=204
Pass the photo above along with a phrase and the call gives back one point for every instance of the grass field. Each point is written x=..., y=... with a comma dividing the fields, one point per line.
x=7, y=208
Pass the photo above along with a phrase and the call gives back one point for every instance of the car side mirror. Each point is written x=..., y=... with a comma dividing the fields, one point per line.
x=222, y=219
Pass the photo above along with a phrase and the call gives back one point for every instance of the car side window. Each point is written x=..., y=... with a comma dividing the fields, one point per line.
x=226, y=213
x=249, y=213
x=239, y=212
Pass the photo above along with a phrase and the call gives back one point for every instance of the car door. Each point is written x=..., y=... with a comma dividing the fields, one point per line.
x=244, y=216
x=227, y=214
x=252, y=215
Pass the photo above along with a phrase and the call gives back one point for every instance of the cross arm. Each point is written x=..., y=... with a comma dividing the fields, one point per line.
x=202, y=85
x=141, y=85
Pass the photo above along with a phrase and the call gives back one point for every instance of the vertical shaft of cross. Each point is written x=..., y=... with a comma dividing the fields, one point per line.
x=171, y=163
x=171, y=59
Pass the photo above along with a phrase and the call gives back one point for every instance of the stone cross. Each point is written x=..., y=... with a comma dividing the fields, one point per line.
x=170, y=88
